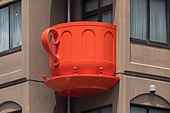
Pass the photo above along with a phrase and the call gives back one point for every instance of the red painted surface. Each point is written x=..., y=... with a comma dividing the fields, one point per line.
x=82, y=57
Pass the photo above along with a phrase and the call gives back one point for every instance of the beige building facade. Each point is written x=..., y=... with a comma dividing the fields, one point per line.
x=138, y=66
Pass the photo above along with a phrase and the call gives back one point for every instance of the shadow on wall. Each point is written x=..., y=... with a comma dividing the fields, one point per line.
x=58, y=12
x=91, y=102
x=114, y=9
x=61, y=103
x=81, y=104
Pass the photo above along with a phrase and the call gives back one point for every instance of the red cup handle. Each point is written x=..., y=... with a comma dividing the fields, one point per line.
x=53, y=34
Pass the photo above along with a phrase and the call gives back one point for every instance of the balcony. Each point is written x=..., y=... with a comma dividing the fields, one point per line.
x=82, y=57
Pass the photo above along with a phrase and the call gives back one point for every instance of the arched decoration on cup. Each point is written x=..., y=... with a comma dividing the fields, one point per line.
x=88, y=44
x=66, y=45
x=109, y=46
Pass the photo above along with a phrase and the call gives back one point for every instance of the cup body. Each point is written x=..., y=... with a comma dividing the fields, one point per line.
x=85, y=48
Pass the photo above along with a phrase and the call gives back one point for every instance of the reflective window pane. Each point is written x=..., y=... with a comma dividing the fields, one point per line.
x=105, y=2
x=138, y=19
x=135, y=109
x=157, y=111
x=15, y=25
x=158, y=23
x=107, y=17
x=4, y=29
x=147, y=109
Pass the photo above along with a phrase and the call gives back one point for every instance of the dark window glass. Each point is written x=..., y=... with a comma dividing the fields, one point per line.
x=105, y=2
x=92, y=18
x=106, y=109
x=97, y=10
x=20, y=111
x=91, y=5
x=4, y=29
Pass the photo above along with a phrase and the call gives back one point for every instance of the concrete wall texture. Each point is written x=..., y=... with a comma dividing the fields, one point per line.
x=138, y=66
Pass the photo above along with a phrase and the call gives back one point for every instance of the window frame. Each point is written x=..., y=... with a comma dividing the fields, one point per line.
x=98, y=12
x=149, y=107
x=11, y=49
x=148, y=42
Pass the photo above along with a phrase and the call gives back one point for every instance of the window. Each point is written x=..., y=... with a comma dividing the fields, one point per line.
x=97, y=10
x=10, y=28
x=106, y=109
x=149, y=22
x=10, y=107
x=147, y=109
